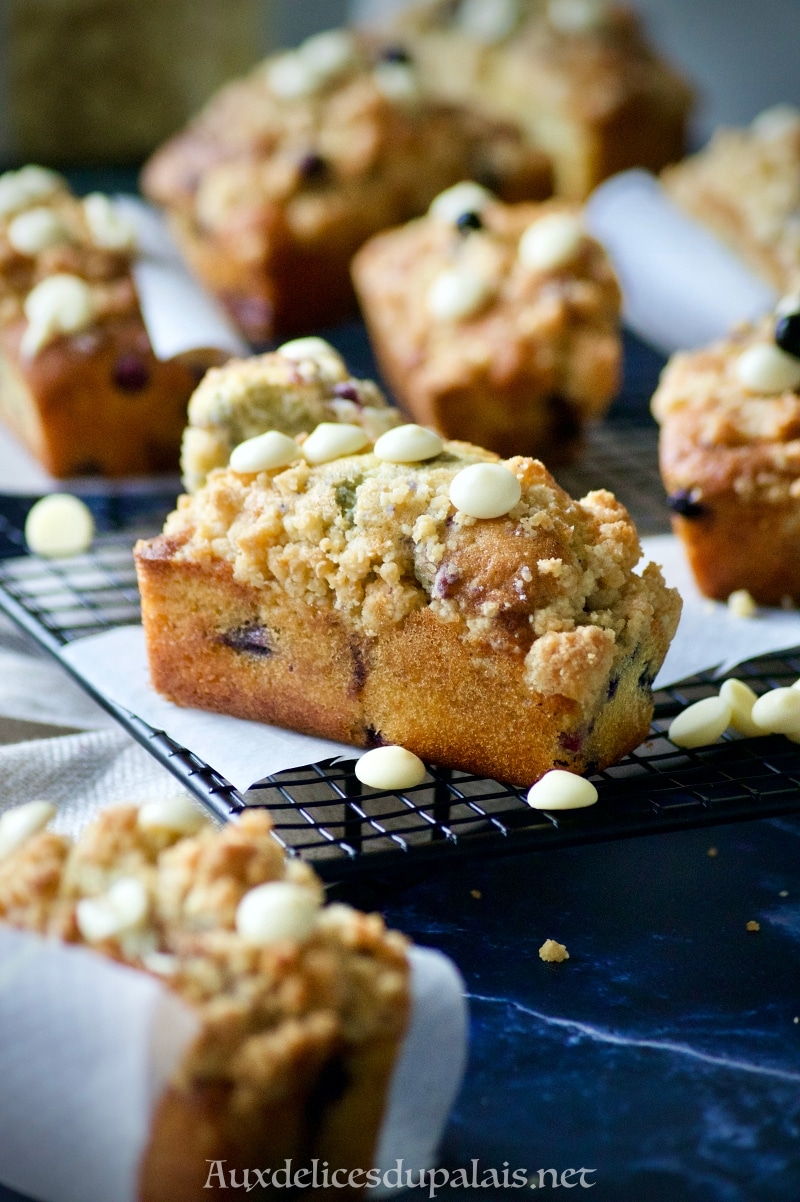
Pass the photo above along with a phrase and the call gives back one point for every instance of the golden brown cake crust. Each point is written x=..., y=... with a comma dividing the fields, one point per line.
x=270, y=196
x=524, y=372
x=730, y=458
x=296, y=1041
x=598, y=99
x=353, y=602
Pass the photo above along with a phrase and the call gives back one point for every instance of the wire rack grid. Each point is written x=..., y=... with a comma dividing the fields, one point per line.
x=322, y=812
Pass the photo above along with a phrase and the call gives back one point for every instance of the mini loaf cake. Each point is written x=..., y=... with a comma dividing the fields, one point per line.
x=418, y=593
x=301, y=1007
x=284, y=175
x=745, y=186
x=730, y=458
x=579, y=76
x=79, y=383
x=292, y=390
x=495, y=324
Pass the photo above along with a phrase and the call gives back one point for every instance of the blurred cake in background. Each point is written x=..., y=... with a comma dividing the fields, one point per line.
x=579, y=76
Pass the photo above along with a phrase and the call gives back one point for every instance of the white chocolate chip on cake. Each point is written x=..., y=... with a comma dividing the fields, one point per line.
x=788, y=304
x=398, y=82
x=18, y=189
x=265, y=452
x=456, y=293
x=776, y=122
x=764, y=368
x=778, y=712
x=34, y=230
x=329, y=53
x=561, y=790
x=577, y=16
x=60, y=304
x=332, y=440
x=109, y=228
x=488, y=21
x=122, y=908
x=741, y=699
x=485, y=490
x=551, y=242
x=176, y=815
x=393, y=768
x=290, y=77
x=59, y=525
x=701, y=723
x=466, y=197
x=18, y=824
x=316, y=350
x=277, y=912
x=408, y=444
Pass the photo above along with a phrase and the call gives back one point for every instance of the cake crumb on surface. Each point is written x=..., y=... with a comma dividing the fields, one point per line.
x=552, y=952
x=476, y=893
x=753, y=926
x=783, y=893
x=741, y=604
x=712, y=853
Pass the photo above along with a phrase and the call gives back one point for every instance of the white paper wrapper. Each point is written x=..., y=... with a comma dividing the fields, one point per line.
x=682, y=287
x=88, y=1047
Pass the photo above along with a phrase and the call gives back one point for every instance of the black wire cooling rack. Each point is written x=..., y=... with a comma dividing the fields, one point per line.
x=323, y=813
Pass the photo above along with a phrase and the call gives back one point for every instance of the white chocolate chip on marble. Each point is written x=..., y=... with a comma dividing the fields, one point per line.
x=577, y=16
x=778, y=712
x=394, y=768
x=109, y=228
x=701, y=723
x=408, y=444
x=776, y=122
x=456, y=293
x=277, y=912
x=265, y=452
x=329, y=53
x=34, y=230
x=24, y=187
x=397, y=81
x=551, y=242
x=765, y=368
x=561, y=790
x=17, y=825
x=176, y=815
x=121, y=909
x=485, y=490
x=60, y=304
x=741, y=604
x=741, y=699
x=59, y=525
x=488, y=21
x=332, y=440
x=466, y=197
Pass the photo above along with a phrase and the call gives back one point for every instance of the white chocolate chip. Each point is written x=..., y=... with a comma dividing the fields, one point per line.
x=561, y=790
x=59, y=525
x=488, y=21
x=577, y=16
x=778, y=712
x=776, y=122
x=456, y=293
x=109, y=228
x=701, y=723
x=265, y=452
x=390, y=768
x=485, y=490
x=741, y=699
x=176, y=815
x=408, y=444
x=18, y=824
x=290, y=77
x=788, y=305
x=18, y=189
x=397, y=81
x=331, y=440
x=329, y=53
x=466, y=197
x=765, y=368
x=277, y=912
x=552, y=242
x=741, y=604
x=329, y=362
x=161, y=963
x=60, y=304
x=123, y=908
x=34, y=230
